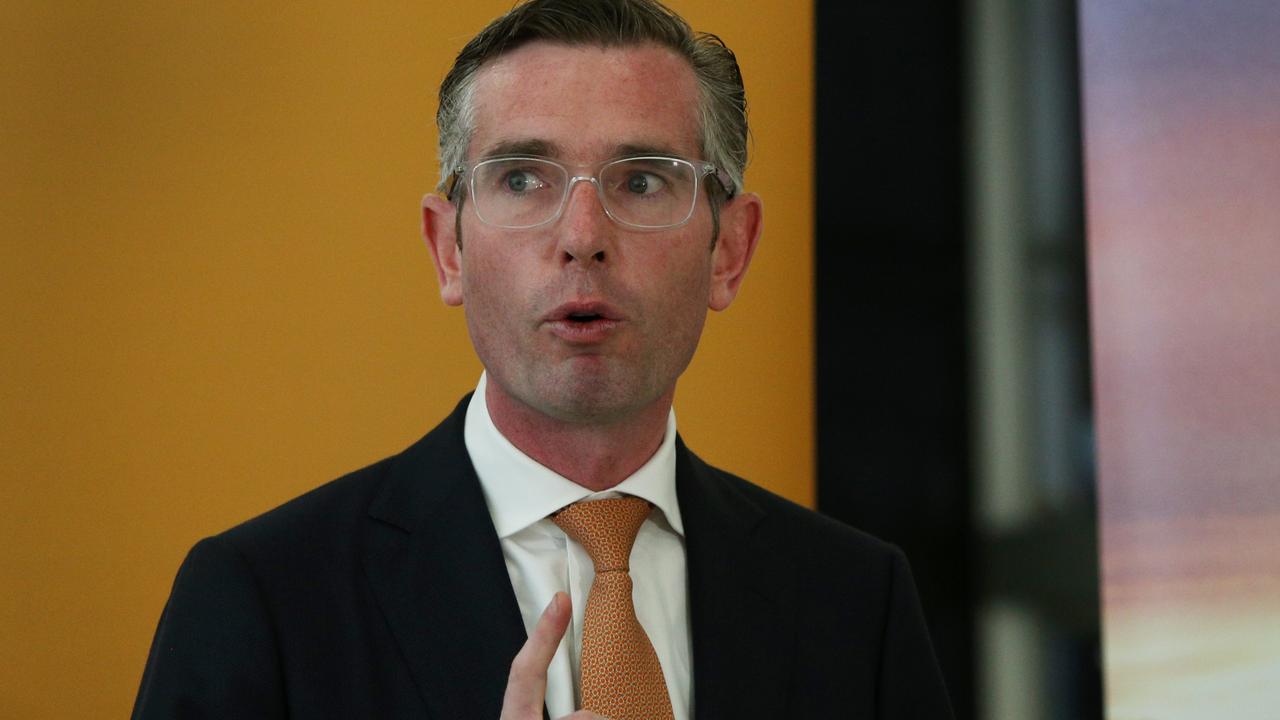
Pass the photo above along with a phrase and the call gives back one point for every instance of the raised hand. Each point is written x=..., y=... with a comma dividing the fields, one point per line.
x=527, y=683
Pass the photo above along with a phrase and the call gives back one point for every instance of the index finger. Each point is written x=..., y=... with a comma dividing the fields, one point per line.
x=527, y=683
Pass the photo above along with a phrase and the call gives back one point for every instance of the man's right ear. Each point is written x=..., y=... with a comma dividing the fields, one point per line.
x=440, y=233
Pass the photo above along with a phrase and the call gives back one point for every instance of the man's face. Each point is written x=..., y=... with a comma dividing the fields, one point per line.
x=583, y=320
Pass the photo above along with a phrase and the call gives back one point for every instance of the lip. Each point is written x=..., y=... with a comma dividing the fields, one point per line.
x=605, y=321
x=604, y=310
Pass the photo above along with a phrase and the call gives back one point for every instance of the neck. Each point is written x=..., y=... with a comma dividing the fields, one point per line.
x=596, y=456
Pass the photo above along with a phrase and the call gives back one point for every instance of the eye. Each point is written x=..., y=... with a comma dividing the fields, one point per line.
x=643, y=183
x=521, y=181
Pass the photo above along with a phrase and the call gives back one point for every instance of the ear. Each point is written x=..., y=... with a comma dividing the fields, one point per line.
x=740, y=224
x=440, y=233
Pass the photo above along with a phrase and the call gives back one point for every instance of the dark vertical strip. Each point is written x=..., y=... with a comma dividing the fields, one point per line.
x=893, y=451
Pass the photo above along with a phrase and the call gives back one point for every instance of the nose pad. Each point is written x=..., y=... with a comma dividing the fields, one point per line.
x=593, y=191
x=585, y=224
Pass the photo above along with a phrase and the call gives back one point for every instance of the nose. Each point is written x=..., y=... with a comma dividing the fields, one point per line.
x=585, y=231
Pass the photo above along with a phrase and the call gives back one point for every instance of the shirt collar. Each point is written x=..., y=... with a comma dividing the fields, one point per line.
x=520, y=491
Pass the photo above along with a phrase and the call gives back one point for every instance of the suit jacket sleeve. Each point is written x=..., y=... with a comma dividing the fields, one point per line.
x=214, y=653
x=910, y=684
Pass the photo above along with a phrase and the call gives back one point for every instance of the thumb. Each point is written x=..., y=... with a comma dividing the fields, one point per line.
x=527, y=683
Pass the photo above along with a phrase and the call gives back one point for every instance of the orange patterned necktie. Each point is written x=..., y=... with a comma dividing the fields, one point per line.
x=621, y=676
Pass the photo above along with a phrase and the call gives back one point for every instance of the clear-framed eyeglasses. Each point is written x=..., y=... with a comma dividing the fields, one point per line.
x=651, y=192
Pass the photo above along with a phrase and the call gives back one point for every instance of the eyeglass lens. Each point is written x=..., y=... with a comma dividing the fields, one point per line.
x=650, y=192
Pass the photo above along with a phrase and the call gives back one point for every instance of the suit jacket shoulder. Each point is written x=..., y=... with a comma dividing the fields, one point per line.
x=789, y=516
x=380, y=594
x=829, y=608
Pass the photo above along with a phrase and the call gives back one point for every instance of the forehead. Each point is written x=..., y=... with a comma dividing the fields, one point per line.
x=584, y=102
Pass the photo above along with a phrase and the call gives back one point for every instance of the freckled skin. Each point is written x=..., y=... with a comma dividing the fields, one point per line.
x=592, y=411
x=586, y=101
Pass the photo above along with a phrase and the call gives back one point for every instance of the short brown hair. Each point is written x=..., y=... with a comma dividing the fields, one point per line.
x=722, y=101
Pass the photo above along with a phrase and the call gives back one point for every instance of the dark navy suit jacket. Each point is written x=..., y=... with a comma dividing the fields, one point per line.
x=384, y=594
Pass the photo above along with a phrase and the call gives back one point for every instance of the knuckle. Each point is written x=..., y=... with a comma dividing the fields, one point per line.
x=519, y=669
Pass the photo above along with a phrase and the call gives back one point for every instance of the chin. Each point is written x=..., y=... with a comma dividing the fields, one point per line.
x=582, y=398
x=589, y=408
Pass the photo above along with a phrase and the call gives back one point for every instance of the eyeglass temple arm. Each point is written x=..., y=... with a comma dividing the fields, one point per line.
x=723, y=178
x=451, y=182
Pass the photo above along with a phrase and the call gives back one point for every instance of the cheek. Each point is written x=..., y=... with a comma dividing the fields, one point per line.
x=491, y=297
x=684, y=289
x=486, y=275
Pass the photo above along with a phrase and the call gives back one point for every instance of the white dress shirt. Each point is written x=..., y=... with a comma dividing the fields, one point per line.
x=541, y=559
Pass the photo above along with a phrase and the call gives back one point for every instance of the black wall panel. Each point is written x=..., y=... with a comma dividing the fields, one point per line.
x=893, y=455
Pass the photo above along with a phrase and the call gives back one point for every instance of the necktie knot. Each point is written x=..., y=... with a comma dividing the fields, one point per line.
x=606, y=529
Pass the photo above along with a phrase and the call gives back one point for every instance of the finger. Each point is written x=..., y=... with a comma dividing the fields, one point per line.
x=527, y=683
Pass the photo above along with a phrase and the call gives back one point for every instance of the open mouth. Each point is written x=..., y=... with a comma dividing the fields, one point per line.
x=585, y=322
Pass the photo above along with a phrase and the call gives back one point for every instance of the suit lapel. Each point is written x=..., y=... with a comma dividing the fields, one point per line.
x=740, y=598
x=433, y=559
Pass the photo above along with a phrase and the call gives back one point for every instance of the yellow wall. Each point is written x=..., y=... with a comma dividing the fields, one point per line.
x=213, y=295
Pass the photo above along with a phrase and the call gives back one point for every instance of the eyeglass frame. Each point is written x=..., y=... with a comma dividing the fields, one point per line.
x=722, y=177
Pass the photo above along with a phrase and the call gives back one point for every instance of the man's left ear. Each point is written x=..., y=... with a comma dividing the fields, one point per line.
x=740, y=224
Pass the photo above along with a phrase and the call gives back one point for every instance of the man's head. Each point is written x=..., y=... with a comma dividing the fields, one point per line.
x=722, y=101
x=583, y=318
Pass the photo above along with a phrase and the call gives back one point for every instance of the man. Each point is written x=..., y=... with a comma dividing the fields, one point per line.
x=592, y=155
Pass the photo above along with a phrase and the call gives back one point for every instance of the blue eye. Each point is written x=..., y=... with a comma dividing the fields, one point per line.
x=642, y=183
x=520, y=181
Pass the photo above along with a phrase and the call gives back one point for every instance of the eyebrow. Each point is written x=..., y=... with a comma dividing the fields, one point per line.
x=628, y=150
x=523, y=146
x=548, y=149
